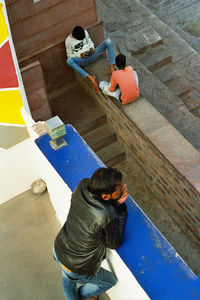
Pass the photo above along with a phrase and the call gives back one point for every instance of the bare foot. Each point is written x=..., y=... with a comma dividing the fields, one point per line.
x=111, y=69
x=92, y=78
x=94, y=82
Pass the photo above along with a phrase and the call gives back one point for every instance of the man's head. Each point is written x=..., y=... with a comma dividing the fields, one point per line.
x=120, y=61
x=78, y=33
x=106, y=183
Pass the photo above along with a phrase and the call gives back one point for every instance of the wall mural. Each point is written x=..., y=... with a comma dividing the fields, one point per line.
x=10, y=94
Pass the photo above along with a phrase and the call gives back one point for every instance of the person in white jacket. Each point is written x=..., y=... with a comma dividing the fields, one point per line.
x=81, y=52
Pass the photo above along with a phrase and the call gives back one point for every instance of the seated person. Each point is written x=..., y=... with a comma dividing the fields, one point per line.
x=127, y=80
x=81, y=52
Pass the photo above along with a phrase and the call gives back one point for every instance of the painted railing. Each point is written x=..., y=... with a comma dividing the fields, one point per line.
x=145, y=253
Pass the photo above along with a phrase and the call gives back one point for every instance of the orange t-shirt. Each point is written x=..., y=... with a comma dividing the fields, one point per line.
x=127, y=83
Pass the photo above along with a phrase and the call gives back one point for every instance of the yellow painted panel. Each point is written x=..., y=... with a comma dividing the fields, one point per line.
x=3, y=27
x=10, y=105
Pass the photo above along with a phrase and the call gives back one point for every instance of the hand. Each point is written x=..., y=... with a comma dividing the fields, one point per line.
x=91, y=51
x=87, y=53
x=84, y=55
x=124, y=194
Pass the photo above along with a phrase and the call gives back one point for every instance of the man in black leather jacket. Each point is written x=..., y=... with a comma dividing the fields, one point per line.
x=96, y=220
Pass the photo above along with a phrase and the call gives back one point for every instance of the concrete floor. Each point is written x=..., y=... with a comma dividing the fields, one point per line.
x=11, y=135
x=28, y=229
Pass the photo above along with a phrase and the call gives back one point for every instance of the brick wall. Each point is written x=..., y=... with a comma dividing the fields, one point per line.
x=170, y=165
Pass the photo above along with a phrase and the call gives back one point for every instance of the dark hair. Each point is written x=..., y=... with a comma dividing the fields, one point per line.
x=120, y=61
x=78, y=33
x=104, y=181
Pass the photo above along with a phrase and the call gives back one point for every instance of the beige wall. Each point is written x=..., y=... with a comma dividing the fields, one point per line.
x=39, y=31
x=36, y=26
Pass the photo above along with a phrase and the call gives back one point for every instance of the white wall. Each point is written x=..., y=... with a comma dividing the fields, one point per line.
x=127, y=287
x=24, y=163
x=20, y=166
x=17, y=170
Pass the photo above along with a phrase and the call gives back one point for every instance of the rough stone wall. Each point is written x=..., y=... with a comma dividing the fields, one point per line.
x=175, y=192
x=167, y=66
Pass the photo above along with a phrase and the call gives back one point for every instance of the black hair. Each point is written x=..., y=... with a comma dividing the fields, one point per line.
x=104, y=181
x=120, y=61
x=78, y=33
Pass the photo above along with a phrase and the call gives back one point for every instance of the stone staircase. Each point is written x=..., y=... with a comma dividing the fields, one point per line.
x=167, y=66
x=154, y=57
x=100, y=136
x=80, y=110
x=157, y=59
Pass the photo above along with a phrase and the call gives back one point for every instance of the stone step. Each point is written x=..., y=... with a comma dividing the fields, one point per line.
x=143, y=39
x=178, y=86
x=100, y=137
x=155, y=58
x=74, y=106
x=112, y=154
x=191, y=133
x=192, y=101
x=93, y=124
x=167, y=72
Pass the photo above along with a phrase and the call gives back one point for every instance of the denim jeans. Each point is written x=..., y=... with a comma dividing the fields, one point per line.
x=90, y=285
x=77, y=62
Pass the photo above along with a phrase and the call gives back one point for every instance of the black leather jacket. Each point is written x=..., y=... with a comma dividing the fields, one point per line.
x=91, y=226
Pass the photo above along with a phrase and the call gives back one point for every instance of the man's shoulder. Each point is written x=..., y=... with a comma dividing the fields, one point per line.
x=129, y=68
x=115, y=73
x=69, y=38
x=83, y=183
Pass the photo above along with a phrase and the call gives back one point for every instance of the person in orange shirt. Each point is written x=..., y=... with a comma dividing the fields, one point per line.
x=127, y=80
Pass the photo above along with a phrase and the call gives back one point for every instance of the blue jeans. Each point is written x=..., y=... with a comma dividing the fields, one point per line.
x=91, y=285
x=77, y=62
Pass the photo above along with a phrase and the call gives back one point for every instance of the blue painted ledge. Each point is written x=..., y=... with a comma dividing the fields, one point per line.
x=151, y=259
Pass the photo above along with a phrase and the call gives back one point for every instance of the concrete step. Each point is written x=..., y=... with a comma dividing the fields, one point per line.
x=167, y=72
x=91, y=125
x=155, y=58
x=143, y=39
x=74, y=106
x=112, y=154
x=169, y=75
x=100, y=137
x=173, y=79
x=192, y=102
x=178, y=86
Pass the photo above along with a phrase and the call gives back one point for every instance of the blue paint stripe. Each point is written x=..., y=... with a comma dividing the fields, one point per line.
x=151, y=259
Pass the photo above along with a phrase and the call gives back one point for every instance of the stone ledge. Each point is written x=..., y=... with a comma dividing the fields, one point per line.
x=142, y=40
x=174, y=147
x=170, y=143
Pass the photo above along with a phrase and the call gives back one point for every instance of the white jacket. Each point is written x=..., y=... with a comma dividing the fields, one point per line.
x=74, y=47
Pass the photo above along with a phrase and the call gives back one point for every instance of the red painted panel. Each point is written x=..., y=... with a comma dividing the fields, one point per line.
x=8, y=77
